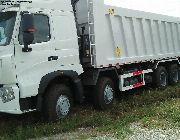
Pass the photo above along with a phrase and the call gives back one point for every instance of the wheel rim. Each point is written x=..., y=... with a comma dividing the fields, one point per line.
x=108, y=94
x=175, y=75
x=62, y=106
x=163, y=79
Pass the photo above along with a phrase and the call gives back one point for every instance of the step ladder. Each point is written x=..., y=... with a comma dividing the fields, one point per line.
x=91, y=32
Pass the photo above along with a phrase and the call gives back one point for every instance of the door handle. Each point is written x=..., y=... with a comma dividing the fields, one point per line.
x=50, y=58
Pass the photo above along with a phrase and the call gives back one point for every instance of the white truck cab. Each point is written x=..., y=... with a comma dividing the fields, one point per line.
x=31, y=53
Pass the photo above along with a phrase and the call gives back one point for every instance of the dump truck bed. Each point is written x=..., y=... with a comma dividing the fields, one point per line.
x=125, y=36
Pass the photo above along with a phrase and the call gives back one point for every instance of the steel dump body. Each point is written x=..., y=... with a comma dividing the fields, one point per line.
x=127, y=36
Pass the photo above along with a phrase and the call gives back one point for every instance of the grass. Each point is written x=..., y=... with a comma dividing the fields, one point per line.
x=152, y=108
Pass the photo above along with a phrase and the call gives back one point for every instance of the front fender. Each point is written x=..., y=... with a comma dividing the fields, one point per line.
x=51, y=76
x=47, y=79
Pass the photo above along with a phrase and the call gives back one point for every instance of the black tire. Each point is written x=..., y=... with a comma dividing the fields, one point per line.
x=61, y=94
x=158, y=80
x=102, y=102
x=173, y=71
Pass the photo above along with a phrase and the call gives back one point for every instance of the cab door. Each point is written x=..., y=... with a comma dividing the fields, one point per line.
x=66, y=39
x=31, y=66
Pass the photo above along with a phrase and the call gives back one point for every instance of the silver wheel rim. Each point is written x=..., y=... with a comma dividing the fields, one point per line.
x=108, y=94
x=62, y=106
x=175, y=76
x=163, y=79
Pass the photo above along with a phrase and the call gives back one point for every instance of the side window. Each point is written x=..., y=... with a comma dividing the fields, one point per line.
x=42, y=29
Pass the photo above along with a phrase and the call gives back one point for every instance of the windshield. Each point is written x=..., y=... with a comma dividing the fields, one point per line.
x=7, y=21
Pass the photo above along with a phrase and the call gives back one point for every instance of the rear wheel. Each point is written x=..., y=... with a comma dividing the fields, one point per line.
x=58, y=102
x=160, y=77
x=173, y=71
x=103, y=95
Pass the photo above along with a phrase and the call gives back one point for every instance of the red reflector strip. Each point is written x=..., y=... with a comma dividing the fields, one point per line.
x=138, y=85
x=31, y=30
x=101, y=66
x=137, y=73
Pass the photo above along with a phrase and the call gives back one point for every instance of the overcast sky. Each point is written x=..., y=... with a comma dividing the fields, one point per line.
x=166, y=7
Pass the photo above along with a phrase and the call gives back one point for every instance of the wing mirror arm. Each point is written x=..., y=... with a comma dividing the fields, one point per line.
x=26, y=48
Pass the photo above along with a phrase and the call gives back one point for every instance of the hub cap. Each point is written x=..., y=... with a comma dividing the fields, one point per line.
x=62, y=106
x=163, y=79
x=108, y=94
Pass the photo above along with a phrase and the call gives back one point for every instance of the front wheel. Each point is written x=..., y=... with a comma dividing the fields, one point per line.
x=57, y=103
x=103, y=95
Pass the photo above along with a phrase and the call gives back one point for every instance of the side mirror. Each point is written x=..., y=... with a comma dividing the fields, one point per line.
x=28, y=30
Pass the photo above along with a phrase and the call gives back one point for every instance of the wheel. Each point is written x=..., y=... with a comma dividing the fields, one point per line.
x=173, y=71
x=57, y=103
x=103, y=96
x=160, y=77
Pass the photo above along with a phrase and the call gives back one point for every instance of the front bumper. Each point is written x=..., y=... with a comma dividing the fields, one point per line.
x=13, y=106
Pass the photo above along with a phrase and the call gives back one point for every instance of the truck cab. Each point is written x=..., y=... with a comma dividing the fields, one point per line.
x=38, y=46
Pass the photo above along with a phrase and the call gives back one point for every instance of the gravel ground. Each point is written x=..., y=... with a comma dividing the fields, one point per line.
x=153, y=134
x=81, y=134
x=139, y=133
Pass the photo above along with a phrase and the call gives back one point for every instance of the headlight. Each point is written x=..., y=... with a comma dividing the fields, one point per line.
x=6, y=94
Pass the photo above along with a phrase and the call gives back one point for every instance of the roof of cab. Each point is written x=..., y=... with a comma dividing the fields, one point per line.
x=64, y=5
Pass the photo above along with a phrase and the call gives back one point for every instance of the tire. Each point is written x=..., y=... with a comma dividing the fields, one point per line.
x=173, y=71
x=103, y=99
x=160, y=77
x=58, y=102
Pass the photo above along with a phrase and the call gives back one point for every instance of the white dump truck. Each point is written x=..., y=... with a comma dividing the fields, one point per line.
x=51, y=50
